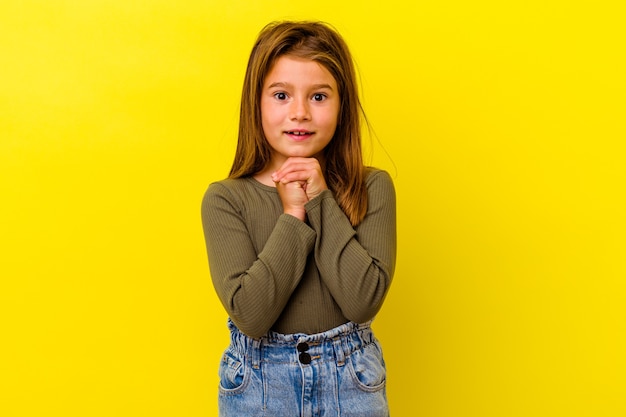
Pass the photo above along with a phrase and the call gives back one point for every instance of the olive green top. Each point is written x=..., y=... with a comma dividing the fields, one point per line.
x=274, y=272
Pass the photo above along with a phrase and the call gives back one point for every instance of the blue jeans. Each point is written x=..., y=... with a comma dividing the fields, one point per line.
x=340, y=372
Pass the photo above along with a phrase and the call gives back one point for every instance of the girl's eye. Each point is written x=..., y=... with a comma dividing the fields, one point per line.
x=280, y=96
x=319, y=97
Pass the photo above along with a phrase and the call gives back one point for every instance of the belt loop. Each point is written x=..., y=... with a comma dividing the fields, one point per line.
x=255, y=352
x=339, y=353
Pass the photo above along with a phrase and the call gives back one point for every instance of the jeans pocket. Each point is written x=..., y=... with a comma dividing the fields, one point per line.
x=367, y=368
x=233, y=373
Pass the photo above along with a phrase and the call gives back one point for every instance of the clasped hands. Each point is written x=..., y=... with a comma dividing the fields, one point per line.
x=298, y=180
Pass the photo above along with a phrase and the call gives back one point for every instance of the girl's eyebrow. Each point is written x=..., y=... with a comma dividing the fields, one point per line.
x=313, y=87
x=277, y=84
x=322, y=86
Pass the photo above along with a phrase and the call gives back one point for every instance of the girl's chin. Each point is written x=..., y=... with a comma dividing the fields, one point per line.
x=284, y=157
x=281, y=155
x=307, y=154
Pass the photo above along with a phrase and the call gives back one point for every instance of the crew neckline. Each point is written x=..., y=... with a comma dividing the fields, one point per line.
x=259, y=184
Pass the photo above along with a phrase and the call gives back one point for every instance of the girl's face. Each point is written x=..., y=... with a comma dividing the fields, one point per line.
x=299, y=108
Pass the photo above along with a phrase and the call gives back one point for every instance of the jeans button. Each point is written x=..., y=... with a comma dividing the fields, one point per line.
x=305, y=358
x=302, y=347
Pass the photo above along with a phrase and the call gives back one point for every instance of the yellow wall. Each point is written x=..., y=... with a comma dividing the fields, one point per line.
x=504, y=123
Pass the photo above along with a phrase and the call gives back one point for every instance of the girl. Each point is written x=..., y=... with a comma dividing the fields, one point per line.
x=301, y=237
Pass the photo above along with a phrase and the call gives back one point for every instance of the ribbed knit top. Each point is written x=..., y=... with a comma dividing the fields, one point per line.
x=272, y=271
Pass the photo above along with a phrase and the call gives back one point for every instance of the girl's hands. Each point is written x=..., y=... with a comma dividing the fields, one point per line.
x=298, y=180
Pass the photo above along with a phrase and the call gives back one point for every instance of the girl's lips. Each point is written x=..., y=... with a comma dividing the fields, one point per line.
x=299, y=135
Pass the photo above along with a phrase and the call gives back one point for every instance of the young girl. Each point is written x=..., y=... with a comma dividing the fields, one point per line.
x=301, y=237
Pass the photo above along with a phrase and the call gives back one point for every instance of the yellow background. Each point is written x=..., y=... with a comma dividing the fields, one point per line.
x=503, y=124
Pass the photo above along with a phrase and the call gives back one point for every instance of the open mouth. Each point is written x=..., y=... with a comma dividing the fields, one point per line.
x=299, y=132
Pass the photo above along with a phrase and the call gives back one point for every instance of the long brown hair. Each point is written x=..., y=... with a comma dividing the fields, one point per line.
x=317, y=41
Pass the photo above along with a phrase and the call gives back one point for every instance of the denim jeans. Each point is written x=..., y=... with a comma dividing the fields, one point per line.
x=340, y=372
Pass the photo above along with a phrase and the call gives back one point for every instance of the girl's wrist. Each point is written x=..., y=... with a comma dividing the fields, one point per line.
x=298, y=214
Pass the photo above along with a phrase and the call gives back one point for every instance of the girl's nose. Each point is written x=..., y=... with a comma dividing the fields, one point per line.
x=300, y=110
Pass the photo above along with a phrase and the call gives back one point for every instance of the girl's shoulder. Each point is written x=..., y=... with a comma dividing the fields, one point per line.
x=238, y=185
x=239, y=189
x=373, y=174
x=245, y=196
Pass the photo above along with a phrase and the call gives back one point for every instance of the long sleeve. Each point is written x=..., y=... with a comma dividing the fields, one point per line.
x=357, y=265
x=254, y=278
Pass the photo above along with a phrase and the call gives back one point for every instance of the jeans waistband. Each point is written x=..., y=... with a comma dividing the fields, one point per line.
x=334, y=344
